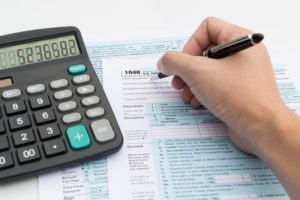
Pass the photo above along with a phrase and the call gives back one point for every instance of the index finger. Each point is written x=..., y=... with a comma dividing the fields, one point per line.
x=212, y=31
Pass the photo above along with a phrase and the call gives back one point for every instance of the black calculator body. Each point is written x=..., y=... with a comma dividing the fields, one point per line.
x=53, y=110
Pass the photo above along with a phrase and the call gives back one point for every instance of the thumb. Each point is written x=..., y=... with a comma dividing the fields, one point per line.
x=183, y=65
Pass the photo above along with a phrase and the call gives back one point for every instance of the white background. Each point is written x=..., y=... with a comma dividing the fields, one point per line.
x=133, y=19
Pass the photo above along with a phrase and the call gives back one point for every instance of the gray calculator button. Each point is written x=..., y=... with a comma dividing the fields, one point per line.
x=87, y=89
x=81, y=79
x=37, y=88
x=10, y=94
x=102, y=130
x=64, y=94
x=67, y=106
x=58, y=84
x=71, y=118
x=90, y=101
x=95, y=112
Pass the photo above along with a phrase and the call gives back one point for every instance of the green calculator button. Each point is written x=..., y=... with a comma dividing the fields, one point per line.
x=77, y=69
x=78, y=137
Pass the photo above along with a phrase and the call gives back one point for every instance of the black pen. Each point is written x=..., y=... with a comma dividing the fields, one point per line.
x=229, y=48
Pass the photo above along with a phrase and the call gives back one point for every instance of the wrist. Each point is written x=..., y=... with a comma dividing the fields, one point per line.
x=280, y=150
x=276, y=133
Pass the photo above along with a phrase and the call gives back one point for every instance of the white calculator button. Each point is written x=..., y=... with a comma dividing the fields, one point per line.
x=58, y=84
x=84, y=78
x=85, y=90
x=95, y=112
x=10, y=94
x=71, y=118
x=67, y=106
x=102, y=130
x=90, y=101
x=37, y=88
x=62, y=95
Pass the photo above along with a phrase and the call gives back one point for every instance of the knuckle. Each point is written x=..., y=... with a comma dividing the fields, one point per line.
x=167, y=57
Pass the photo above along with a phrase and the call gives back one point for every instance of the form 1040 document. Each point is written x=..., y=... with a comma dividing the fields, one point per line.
x=171, y=150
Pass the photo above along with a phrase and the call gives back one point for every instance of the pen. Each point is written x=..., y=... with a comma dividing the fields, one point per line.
x=229, y=48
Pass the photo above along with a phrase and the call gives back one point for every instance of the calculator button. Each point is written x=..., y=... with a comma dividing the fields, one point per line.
x=78, y=137
x=15, y=107
x=35, y=89
x=11, y=94
x=81, y=79
x=23, y=138
x=39, y=102
x=54, y=147
x=3, y=143
x=71, y=118
x=59, y=84
x=19, y=122
x=6, y=160
x=2, y=127
x=90, y=101
x=95, y=112
x=102, y=130
x=49, y=131
x=44, y=116
x=28, y=154
x=77, y=69
x=85, y=90
x=63, y=95
x=67, y=106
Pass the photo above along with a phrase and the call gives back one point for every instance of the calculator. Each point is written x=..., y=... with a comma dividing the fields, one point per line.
x=53, y=110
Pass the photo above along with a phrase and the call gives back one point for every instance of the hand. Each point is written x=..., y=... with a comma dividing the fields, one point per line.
x=239, y=89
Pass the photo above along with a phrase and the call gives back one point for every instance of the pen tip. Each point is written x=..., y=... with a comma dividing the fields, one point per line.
x=161, y=75
x=257, y=37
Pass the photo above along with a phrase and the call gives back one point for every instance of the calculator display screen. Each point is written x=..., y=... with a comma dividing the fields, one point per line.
x=38, y=51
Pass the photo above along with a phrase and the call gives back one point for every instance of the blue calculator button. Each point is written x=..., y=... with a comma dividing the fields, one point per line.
x=78, y=137
x=77, y=69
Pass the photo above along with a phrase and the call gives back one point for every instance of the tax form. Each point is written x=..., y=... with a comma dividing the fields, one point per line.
x=171, y=150
x=95, y=179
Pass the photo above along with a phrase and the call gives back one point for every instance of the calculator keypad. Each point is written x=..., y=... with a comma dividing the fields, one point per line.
x=19, y=122
x=15, y=107
x=39, y=102
x=28, y=154
x=24, y=137
x=6, y=160
x=43, y=121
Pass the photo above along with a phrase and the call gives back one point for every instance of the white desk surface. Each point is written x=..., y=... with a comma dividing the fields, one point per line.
x=115, y=19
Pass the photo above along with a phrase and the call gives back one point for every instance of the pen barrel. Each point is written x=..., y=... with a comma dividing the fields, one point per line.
x=228, y=49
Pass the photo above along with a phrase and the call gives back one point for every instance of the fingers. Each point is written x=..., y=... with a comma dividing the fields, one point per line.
x=178, y=83
x=183, y=65
x=195, y=103
x=186, y=94
x=212, y=30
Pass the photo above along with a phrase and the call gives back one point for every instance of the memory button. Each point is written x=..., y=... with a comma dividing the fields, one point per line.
x=11, y=94
x=62, y=95
x=37, y=88
x=90, y=101
x=67, y=106
x=59, y=84
x=71, y=118
x=85, y=90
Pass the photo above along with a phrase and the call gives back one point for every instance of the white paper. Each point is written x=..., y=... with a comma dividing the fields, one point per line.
x=172, y=151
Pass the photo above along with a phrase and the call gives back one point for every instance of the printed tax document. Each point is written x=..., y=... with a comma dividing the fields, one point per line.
x=171, y=150
x=89, y=181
